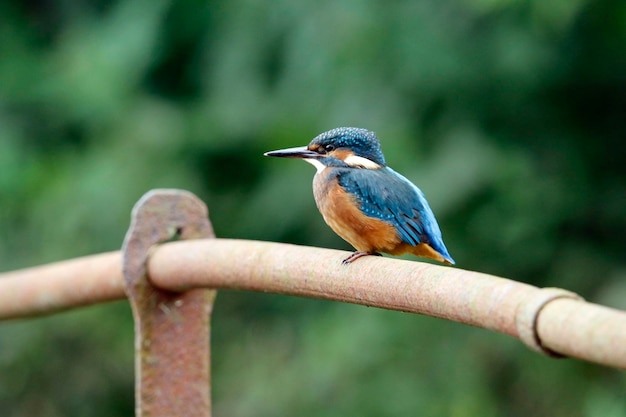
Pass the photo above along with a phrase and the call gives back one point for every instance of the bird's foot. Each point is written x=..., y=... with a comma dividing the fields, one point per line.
x=358, y=254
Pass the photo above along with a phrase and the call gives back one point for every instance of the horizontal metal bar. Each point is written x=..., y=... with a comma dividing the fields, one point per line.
x=61, y=285
x=554, y=320
x=417, y=287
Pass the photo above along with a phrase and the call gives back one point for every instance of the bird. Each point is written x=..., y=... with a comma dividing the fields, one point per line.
x=364, y=201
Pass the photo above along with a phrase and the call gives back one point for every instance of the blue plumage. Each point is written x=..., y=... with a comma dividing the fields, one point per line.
x=386, y=195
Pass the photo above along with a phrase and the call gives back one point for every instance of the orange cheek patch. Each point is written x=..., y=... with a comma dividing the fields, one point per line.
x=342, y=154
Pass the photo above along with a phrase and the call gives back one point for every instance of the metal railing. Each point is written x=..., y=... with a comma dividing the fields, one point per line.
x=171, y=287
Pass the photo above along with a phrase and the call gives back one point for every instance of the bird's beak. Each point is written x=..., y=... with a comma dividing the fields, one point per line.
x=299, y=152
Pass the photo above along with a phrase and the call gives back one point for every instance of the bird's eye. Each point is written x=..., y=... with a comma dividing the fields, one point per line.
x=329, y=148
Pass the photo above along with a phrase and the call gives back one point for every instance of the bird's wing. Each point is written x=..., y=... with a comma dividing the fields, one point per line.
x=384, y=194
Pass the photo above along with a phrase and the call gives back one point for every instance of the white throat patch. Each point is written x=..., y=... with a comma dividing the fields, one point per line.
x=316, y=163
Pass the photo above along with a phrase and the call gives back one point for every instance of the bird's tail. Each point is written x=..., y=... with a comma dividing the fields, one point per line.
x=425, y=250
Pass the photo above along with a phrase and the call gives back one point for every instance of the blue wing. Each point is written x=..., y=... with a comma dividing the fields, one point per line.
x=384, y=194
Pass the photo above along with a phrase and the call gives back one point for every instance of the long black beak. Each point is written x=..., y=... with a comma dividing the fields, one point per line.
x=299, y=152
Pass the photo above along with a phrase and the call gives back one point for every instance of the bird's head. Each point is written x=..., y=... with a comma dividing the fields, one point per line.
x=340, y=147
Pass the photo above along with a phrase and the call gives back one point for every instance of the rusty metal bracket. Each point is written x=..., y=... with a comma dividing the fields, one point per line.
x=172, y=329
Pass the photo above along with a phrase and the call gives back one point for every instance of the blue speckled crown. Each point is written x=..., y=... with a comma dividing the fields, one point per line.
x=362, y=142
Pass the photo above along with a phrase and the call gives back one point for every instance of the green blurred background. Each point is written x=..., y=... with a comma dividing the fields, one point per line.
x=509, y=114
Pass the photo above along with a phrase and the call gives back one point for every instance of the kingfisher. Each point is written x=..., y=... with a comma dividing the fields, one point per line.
x=365, y=202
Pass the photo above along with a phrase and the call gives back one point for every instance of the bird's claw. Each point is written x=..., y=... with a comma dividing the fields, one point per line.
x=358, y=254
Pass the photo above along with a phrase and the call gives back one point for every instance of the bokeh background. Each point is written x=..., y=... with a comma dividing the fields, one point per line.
x=509, y=114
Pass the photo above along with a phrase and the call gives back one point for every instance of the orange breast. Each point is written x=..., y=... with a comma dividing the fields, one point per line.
x=341, y=212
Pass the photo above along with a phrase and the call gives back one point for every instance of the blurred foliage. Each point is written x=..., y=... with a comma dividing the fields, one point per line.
x=509, y=114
